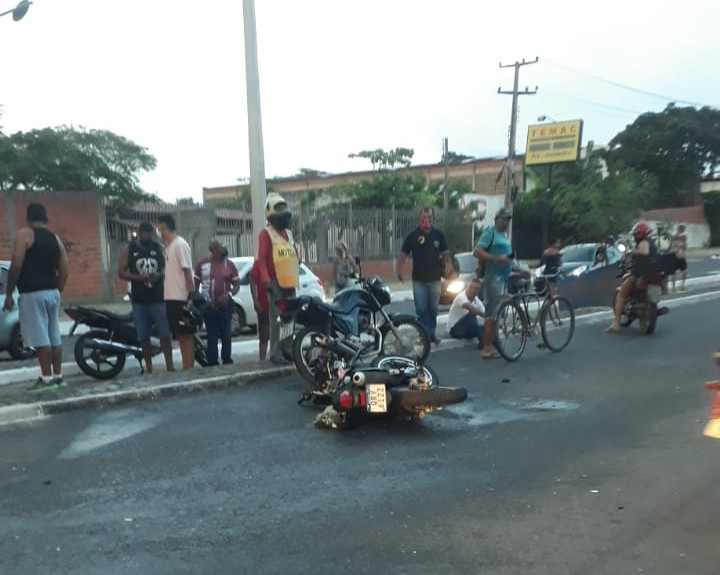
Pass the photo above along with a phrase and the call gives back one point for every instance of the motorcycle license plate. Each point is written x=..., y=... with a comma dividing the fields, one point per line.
x=376, y=398
x=287, y=329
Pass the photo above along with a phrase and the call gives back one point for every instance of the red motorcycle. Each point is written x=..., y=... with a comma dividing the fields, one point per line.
x=650, y=274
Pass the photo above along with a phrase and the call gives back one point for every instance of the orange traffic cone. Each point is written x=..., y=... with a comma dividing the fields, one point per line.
x=712, y=429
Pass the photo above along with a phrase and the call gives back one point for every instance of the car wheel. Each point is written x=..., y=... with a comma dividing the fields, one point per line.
x=17, y=349
x=238, y=321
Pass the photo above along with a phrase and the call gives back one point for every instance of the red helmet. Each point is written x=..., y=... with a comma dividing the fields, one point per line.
x=641, y=231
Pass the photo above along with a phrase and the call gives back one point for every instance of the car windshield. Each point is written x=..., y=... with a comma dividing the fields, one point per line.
x=578, y=254
x=467, y=262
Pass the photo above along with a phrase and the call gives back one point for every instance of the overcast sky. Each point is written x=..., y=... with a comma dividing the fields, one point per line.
x=341, y=76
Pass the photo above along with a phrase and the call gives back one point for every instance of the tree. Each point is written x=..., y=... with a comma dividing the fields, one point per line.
x=387, y=189
x=678, y=146
x=188, y=202
x=401, y=157
x=66, y=158
x=455, y=158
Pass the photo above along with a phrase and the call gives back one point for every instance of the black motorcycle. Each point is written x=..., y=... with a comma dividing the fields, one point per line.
x=392, y=386
x=355, y=328
x=101, y=352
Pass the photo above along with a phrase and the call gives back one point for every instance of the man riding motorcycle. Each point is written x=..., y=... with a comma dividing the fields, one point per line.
x=644, y=246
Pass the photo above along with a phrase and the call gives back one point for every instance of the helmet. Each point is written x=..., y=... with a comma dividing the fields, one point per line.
x=275, y=205
x=641, y=231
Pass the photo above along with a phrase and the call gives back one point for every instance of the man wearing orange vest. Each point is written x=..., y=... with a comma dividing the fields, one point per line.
x=278, y=265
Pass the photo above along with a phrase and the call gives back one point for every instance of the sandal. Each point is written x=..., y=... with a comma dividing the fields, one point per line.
x=491, y=355
x=612, y=329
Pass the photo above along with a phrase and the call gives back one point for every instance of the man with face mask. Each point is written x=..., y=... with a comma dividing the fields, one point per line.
x=430, y=253
x=142, y=263
x=278, y=265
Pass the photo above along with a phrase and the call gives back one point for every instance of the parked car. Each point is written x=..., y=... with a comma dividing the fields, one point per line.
x=588, y=273
x=245, y=316
x=450, y=288
x=10, y=335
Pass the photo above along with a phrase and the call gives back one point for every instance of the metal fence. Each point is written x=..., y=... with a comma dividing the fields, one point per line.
x=369, y=233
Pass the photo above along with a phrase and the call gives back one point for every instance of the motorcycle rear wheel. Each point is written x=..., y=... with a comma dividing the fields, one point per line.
x=414, y=341
x=309, y=357
x=648, y=319
x=200, y=351
x=95, y=362
x=17, y=349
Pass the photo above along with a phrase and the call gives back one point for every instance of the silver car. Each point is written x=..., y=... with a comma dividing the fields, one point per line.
x=245, y=316
x=10, y=335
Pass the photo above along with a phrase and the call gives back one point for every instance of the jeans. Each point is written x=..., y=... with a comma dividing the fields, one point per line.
x=218, y=324
x=427, y=299
x=467, y=328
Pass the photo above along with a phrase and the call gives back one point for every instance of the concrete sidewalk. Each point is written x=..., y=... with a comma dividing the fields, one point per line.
x=17, y=404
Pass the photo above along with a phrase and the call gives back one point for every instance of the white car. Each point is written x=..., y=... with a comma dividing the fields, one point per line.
x=244, y=315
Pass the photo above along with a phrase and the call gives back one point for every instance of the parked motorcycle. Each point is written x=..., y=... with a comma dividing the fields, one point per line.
x=393, y=385
x=355, y=327
x=102, y=351
x=650, y=274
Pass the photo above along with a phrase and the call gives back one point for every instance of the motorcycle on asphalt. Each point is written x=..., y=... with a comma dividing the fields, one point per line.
x=650, y=274
x=392, y=386
x=101, y=352
x=355, y=327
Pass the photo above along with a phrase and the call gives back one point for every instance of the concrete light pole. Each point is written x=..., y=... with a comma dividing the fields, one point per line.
x=258, y=190
x=546, y=197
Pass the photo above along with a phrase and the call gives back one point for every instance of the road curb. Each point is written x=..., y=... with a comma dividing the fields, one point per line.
x=23, y=412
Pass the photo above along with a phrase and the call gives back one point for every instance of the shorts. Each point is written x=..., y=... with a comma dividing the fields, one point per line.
x=145, y=315
x=681, y=264
x=39, y=318
x=176, y=317
x=495, y=289
x=263, y=325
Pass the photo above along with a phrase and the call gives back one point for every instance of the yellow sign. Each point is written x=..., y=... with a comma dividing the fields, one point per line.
x=553, y=143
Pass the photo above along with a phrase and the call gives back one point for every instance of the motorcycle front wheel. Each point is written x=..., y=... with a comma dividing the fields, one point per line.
x=413, y=340
x=95, y=362
x=393, y=362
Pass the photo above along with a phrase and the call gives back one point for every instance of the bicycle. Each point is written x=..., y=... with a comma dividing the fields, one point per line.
x=555, y=319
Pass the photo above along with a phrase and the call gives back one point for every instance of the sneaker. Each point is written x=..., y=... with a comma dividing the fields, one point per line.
x=41, y=385
x=59, y=381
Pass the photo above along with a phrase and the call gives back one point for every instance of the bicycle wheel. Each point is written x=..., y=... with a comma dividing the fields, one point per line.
x=511, y=330
x=557, y=323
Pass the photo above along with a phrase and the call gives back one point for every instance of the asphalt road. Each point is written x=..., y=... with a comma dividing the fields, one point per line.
x=587, y=462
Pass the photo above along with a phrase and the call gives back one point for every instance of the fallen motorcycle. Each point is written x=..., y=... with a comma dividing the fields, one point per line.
x=392, y=386
x=102, y=351
x=354, y=327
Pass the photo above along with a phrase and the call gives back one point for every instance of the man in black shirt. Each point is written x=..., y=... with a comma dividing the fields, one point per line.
x=142, y=262
x=39, y=269
x=429, y=251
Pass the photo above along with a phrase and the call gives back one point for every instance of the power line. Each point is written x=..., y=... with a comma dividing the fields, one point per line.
x=626, y=87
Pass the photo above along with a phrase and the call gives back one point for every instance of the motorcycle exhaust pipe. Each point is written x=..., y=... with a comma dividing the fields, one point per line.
x=116, y=347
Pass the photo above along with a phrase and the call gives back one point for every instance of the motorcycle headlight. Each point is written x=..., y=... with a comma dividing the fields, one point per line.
x=456, y=286
x=577, y=272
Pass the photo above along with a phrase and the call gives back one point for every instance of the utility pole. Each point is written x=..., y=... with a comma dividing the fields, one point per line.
x=446, y=185
x=509, y=196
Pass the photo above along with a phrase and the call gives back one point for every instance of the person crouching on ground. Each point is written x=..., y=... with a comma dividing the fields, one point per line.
x=467, y=313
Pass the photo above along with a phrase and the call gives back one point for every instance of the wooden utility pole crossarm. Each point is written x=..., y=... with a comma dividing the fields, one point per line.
x=509, y=196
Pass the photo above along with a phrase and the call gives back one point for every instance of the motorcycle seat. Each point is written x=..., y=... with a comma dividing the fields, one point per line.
x=124, y=317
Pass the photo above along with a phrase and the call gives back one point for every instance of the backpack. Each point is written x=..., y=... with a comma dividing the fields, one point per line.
x=480, y=270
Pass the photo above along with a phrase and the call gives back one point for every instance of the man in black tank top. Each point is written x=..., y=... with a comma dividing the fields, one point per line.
x=39, y=270
x=142, y=263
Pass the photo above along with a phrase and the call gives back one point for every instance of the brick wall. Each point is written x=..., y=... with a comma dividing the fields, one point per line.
x=75, y=217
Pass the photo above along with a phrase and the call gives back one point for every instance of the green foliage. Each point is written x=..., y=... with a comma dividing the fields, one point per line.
x=401, y=157
x=584, y=205
x=387, y=189
x=66, y=158
x=188, y=202
x=677, y=146
x=455, y=158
